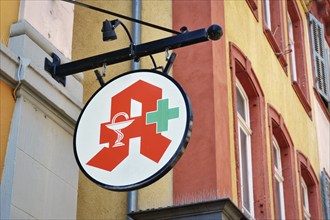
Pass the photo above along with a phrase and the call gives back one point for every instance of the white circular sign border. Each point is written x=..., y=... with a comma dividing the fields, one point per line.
x=173, y=160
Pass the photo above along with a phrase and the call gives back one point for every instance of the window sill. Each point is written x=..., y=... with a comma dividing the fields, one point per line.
x=323, y=107
x=305, y=103
x=276, y=48
x=253, y=4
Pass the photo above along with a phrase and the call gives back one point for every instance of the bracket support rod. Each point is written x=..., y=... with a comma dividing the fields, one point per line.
x=121, y=16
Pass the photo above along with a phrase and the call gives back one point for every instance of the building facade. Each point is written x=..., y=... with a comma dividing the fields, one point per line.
x=39, y=176
x=260, y=97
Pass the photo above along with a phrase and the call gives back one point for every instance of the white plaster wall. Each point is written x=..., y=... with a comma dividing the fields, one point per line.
x=46, y=175
x=53, y=19
x=40, y=179
x=323, y=135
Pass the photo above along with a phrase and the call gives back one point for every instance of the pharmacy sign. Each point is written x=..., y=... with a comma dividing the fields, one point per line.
x=133, y=130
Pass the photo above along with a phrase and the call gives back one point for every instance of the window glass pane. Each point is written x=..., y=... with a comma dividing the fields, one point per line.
x=293, y=62
x=303, y=197
x=279, y=196
x=278, y=199
x=275, y=156
x=244, y=167
x=267, y=14
x=292, y=48
x=240, y=104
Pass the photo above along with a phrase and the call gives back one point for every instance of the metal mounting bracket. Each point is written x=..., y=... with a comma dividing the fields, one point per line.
x=51, y=68
x=169, y=64
x=99, y=78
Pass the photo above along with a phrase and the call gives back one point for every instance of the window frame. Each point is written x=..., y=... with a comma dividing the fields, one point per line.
x=304, y=195
x=307, y=174
x=244, y=125
x=241, y=69
x=278, y=175
x=278, y=130
x=292, y=48
x=298, y=63
x=275, y=36
x=253, y=4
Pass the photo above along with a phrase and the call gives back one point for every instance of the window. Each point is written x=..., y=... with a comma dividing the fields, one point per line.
x=321, y=59
x=250, y=137
x=244, y=137
x=292, y=53
x=297, y=54
x=279, y=179
x=283, y=169
x=304, y=195
x=310, y=189
x=273, y=28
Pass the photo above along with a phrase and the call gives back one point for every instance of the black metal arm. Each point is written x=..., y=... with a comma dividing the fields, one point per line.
x=57, y=70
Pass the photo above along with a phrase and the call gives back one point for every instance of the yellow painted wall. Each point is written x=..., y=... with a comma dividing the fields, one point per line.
x=8, y=15
x=93, y=201
x=7, y=103
x=160, y=193
x=247, y=33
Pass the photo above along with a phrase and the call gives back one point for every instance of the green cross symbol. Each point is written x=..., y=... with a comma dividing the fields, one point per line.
x=162, y=115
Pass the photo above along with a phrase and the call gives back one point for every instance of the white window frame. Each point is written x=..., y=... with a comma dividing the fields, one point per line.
x=267, y=14
x=292, y=53
x=307, y=215
x=244, y=125
x=279, y=176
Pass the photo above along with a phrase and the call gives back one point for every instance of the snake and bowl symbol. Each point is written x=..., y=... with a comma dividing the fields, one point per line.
x=118, y=126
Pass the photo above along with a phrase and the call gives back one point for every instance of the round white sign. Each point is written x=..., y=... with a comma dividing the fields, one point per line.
x=133, y=130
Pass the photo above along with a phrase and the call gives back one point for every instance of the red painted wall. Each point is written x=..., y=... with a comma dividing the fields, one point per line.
x=204, y=171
